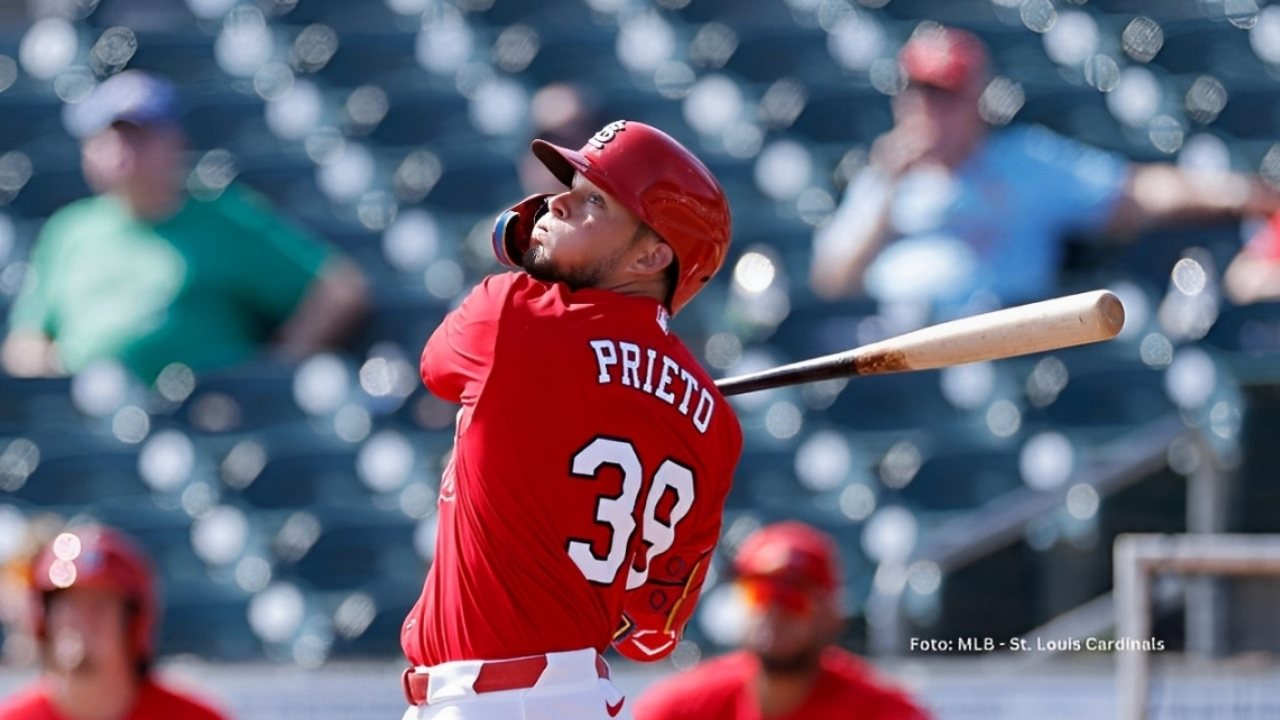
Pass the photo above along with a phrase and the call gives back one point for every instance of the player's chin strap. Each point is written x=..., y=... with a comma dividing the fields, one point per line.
x=513, y=229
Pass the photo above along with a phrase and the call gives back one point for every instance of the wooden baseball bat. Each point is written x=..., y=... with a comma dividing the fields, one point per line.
x=1047, y=325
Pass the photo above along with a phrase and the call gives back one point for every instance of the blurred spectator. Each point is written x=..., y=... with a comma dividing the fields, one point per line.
x=562, y=114
x=1254, y=274
x=789, y=668
x=950, y=213
x=94, y=611
x=145, y=273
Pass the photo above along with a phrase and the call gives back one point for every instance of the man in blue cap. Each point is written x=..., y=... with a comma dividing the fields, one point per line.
x=146, y=274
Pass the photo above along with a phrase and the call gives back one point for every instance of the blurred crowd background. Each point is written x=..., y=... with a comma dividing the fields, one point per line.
x=290, y=504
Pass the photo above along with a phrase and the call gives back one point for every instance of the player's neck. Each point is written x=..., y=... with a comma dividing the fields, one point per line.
x=148, y=205
x=653, y=287
x=958, y=153
x=94, y=696
x=780, y=694
x=781, y=689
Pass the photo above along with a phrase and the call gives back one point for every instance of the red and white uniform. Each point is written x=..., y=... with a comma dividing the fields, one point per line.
x=155, y=702
x=723, y=689
x=586, y=488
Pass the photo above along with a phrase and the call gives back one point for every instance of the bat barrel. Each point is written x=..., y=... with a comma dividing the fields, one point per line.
x=1047, y=325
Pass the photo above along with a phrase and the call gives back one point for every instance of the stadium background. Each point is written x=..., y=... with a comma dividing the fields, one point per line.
x=291, y=509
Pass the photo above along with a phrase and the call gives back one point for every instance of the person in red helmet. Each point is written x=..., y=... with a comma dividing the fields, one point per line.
x=592, y=455
x=95, y=613
x=789, y=669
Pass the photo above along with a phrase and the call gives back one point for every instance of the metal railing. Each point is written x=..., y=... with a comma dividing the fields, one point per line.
x=964, y=540
x=1138, y=558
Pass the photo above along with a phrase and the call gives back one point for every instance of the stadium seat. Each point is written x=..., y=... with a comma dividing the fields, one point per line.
x=1106, y=399
x=389, y=602
x=79, y=469
x=770, y=53
x=187, y=58
x=844, y=113
x=26, y=115
x=1251, y=113
x=419, y=114
x=250, y=397
x=478, y=178
x=404, y=318
x=819, y=327
x=28, y=404
x=563, y=51
x=1216, y=48
x=893, y=403
x=358, y=546
x=209, y=620
x=222, y=118
x=1251, y=329
x=303, y=477
x=962, y=478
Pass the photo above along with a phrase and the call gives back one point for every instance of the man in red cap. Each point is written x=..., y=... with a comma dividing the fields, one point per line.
x=959, y=218
x=789, y=669
x=95, y=610
x=593, y=454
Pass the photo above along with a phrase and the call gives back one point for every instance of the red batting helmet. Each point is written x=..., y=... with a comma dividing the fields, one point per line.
x=93, y=556
x=656, y=178
x=790, y=552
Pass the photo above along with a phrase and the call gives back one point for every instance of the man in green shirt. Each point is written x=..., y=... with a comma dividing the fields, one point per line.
x=148, y=275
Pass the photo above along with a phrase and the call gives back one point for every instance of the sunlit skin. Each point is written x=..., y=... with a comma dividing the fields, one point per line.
x=87, y=653
x=589, y=240
x=144, y=167
x=931, y=125
x=788, y=627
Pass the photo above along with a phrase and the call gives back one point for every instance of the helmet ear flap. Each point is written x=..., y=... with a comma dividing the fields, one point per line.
x=513, y=229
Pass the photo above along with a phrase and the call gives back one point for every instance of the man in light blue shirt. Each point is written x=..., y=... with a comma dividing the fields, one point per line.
x=960, y=218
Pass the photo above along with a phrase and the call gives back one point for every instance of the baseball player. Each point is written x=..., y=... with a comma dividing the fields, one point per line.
x=789, y=669
x=95, y=608
x=592, y=454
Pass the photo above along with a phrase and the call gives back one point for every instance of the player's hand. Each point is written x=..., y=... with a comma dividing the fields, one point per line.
x=900, y=149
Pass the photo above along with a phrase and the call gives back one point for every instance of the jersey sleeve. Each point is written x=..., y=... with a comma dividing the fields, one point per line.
x=654, y=614
x=459, y=354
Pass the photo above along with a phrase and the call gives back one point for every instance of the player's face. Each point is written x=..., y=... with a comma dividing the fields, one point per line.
x=937, y=114
x=584, y=238
x=787, y=626
x=124, y=153
x=88, y=630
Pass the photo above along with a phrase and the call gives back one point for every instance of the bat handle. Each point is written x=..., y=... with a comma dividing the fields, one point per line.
x=827, y=367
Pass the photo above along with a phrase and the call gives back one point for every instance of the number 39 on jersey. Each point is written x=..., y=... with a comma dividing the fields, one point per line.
x=617, y=513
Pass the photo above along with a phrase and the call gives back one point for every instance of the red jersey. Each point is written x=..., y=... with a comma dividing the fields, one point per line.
x=722, y=689
x=586, y=488
x=155, y=702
